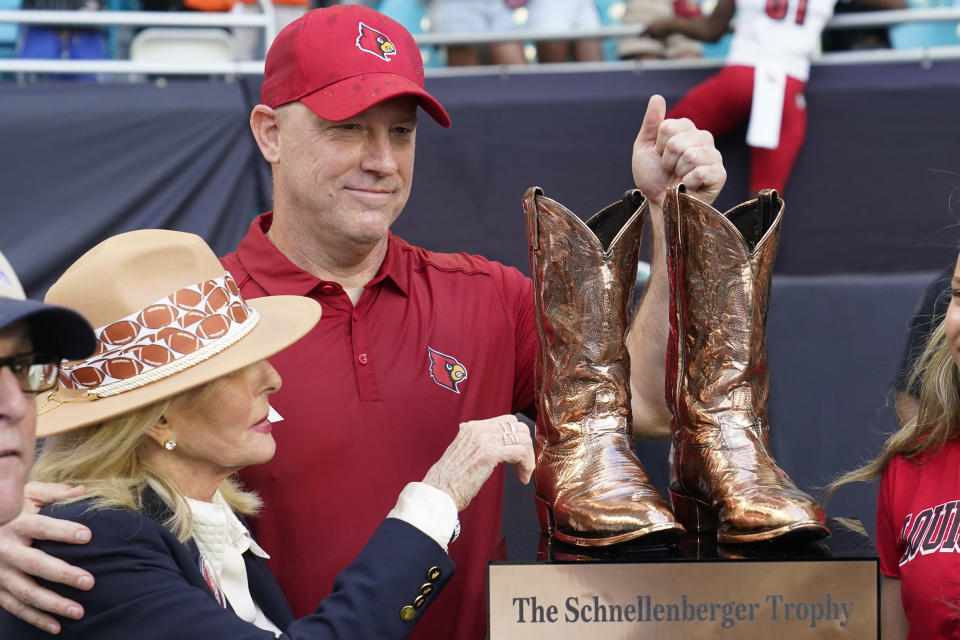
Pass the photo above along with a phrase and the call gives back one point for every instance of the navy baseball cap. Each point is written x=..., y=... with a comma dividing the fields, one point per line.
x=55, y=330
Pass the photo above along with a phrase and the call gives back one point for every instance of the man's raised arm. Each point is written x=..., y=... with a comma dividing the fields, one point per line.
x=666, y=152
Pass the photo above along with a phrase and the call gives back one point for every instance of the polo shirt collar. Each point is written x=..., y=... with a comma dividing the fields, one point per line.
x=278, y=276
x=393, y=268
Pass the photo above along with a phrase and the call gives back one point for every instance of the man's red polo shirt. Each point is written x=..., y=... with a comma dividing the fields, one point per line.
x=371, y=398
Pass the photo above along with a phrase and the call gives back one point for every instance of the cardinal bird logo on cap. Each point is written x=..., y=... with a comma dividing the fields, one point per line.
x=372, y=41
x=445, y=370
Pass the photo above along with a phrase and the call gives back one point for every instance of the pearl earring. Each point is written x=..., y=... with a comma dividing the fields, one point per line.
x=170, y=445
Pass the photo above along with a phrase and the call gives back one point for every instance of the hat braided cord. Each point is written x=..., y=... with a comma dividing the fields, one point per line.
x=179, y=364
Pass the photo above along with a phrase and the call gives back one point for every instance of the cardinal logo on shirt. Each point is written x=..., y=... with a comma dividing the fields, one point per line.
x=445, y=370
x=372, y=41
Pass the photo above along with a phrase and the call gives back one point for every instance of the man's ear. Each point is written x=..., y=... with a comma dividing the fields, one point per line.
x=266, y=131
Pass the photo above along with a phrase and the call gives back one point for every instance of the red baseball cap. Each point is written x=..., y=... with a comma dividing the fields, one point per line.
x=342, y=60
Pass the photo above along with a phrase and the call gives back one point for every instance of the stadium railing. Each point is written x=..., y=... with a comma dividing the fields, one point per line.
x=265, y=21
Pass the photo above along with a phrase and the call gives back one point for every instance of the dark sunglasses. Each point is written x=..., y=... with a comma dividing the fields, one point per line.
x=34, y=371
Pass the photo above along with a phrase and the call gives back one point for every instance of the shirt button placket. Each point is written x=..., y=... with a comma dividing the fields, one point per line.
x=361, y=357
x=366, y=377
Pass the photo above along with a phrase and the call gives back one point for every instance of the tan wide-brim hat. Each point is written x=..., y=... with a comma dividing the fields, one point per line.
x=168, y=318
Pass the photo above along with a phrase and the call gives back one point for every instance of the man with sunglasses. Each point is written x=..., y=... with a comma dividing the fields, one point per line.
x=34, y=337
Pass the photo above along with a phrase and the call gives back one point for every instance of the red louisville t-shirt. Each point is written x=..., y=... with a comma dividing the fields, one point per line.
x=371, y=398
x=918, y=539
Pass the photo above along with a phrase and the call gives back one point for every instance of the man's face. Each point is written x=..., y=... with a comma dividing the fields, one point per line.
x=347, y=181
x=18, y=419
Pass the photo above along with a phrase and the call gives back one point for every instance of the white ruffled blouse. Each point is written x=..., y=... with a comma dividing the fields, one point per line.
x=222, y=540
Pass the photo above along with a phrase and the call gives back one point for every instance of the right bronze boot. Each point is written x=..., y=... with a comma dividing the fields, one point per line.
x=590, y=488
x=722, y=475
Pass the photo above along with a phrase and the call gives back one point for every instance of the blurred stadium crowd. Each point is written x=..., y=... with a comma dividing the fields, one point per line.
x=458, y=19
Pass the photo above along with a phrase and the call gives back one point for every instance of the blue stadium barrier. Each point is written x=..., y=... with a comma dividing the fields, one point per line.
x=8, y=32
x=716, y=50
x=412, y=14
x=611, y=13
x=719, y=49
x=917, y=35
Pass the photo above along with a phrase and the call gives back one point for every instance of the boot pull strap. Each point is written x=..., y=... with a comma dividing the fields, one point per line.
x=671, y=201
x=769, y=206
x=632, y=199
x=531, y=207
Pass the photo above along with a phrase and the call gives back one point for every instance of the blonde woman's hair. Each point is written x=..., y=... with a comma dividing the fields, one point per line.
x=105, y=458
x=938, y=419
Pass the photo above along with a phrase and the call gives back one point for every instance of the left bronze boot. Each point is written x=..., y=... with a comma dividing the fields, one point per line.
x=722, y=475
x=590, y=488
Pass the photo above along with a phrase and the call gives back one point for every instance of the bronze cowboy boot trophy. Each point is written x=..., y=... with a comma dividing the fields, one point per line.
x=590, y=488
x=722, y=475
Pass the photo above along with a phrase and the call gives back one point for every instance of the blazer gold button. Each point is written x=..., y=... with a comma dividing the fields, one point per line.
x=407, y=613
x=433, y=574
x=418, y=601
x=425, y=589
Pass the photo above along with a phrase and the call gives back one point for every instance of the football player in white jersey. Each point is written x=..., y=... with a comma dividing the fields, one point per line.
x=764, y=77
